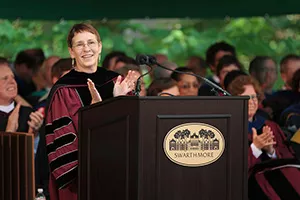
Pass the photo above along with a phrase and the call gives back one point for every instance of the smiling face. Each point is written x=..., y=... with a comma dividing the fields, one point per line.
x=85, y=50
x=8, y=85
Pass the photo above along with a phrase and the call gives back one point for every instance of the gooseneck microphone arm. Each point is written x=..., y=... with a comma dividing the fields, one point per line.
x=138, y=82
x=207, y=81
x=150, y=60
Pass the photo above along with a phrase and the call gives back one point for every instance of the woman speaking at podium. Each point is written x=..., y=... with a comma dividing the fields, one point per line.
x=85, y=84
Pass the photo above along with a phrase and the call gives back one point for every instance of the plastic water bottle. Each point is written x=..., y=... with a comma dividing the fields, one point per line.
x=40, y=195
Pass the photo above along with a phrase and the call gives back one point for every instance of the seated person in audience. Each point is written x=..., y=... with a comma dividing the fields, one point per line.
x=286, y=97
x=123, y=61
x=41, y=87
x=288, y=66
x=47, y=69
x=227, y=64
x=163, y=87
x=159, y=72
x=264, y=70
x=188, y=84
x=46, y=74
x=15, y=118
x=161, y=59
x=26, y=67
x=270, y=171
x=110, y=59
x=213, y=55
x=61, y=68
x=197, y=64
x=230, y=77
x=290, y=117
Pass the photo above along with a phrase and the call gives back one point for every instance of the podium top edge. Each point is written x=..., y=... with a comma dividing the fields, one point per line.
x=166, y=98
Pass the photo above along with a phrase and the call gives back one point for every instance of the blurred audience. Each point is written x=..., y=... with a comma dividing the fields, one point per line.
x=288, y=66
x=264, y=70
x=188, y=84
x=110, y=59
x=227, y=64
x=163, y=87
x=123, y=61
x=159, y=72
x=269, y=176
x=214, y=53
x=197, y=65
x=27, y=65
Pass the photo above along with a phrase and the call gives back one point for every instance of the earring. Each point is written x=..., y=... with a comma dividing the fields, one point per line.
x=73, y=62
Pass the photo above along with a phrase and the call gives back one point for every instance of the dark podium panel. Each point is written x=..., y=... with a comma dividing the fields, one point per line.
x=121, y=154
x=16, y=166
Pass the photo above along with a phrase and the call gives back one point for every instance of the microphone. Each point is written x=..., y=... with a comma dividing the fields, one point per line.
x=151, y=60
x=145, y=59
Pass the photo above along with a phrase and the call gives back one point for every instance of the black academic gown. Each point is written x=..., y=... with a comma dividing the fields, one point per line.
x=67, y=96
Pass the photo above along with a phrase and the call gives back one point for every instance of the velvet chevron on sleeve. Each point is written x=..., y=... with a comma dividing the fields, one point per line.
x=61, y=139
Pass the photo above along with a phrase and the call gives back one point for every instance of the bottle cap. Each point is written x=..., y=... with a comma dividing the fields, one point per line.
x=40, y=190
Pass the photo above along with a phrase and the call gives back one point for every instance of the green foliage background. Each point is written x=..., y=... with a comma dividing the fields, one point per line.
x=177, y=38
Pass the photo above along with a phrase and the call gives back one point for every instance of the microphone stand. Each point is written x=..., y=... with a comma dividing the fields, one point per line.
x=207, y=81
x=138, y=82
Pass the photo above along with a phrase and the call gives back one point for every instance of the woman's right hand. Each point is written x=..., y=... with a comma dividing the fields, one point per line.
x=263, y=140
x=13, y=119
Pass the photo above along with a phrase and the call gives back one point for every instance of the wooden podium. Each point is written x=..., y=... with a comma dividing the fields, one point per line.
x=16, y=166
x=122, y=154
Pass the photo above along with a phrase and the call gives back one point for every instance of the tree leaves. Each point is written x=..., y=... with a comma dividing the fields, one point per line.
x=178, y=38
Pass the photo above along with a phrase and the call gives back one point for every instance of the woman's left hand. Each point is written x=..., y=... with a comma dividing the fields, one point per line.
x=127, y=85
x=35, y=122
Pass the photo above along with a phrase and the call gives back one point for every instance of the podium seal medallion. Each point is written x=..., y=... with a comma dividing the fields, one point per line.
x=194, y=144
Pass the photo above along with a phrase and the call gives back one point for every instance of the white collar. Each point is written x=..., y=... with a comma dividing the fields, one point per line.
x=8, y=108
